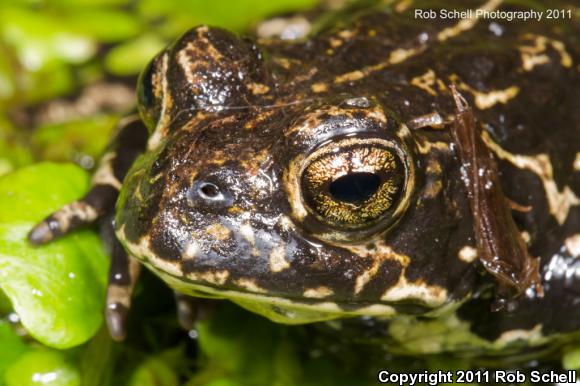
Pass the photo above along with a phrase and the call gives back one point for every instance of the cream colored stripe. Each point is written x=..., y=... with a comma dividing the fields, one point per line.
x=161, y=125
x=400, y=55
x=468, y=23
x=559, y=202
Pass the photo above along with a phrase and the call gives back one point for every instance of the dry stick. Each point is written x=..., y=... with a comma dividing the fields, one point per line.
x=502, y=251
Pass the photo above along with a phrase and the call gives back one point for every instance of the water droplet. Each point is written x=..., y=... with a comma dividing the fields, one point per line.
x=496, y=29
x=36, y=292
x=13, y=317
x=193, y=334
x=44, y=377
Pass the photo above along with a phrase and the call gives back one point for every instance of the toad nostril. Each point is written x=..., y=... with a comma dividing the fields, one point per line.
x=209, y=191
x=204, y=193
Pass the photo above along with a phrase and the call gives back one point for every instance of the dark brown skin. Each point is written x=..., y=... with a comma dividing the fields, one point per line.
x=502, y=250
x=232, y=123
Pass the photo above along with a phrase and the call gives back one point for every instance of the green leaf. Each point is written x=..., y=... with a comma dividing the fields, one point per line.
x=154, y=372
x=131, y=57
x=7, y=78
x=223, y=382
x=97, y=359
x=234, y=15
x=40, y=48
x=13, y=152
x=78, y=4
x=105, y=25
x=237, y=354
x=58, y=289
x=571, y=359
x=11, y=348
x=72, y=140
x=5, y=305
x=42, y=367
x=40, y=38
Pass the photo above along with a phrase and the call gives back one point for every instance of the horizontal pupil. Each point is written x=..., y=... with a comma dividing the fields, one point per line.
x=354, y=188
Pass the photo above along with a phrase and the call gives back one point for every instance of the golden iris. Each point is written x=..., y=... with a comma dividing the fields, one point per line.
x=353, y=183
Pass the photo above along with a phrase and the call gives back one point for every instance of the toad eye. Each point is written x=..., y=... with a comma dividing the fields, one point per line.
x=353, y=184
x=149, y=92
